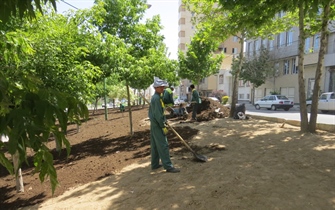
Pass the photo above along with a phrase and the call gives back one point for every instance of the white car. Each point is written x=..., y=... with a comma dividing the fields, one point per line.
x=214, y=99
x=274, y=102
x=326, y=102
x=178, y=101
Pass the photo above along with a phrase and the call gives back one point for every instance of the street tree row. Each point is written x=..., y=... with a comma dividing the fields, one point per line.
x=253, y=19
x=52, y=65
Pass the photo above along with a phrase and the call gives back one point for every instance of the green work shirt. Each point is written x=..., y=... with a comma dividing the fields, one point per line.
x=168, y=97
x=156, y=111
x=195, y=96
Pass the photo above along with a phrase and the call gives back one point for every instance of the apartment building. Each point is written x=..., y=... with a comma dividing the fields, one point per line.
x=222, y=81
x=283, y=48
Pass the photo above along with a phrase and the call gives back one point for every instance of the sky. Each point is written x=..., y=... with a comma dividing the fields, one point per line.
x=167, y=9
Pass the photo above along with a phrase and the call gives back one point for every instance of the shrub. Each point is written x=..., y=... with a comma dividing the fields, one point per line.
x=225, y=99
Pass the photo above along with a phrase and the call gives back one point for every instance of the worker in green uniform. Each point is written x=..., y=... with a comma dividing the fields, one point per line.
x=168, y=96
x=196, y=101
x=158, y=130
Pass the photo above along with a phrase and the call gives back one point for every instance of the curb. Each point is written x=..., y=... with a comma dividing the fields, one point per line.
x=319, y=126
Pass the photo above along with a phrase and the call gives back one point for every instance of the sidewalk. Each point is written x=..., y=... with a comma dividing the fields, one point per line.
x=291, y=117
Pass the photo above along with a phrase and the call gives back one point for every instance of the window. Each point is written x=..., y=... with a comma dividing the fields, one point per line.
x=181, y=34
x=202, y=80
x=235, y=39
x=276, y=67
x=286, y=67
x=289, y=38
x=266, y=97
x=264, y=43
x=249, y=49
x=234, y=50
x=182, y=8
x=241, y=83
x=182, y=46
x=271, y=44
x=221, y=79
x=247, y=83
x=294, y=67
x=241, y=96
x=307, y=41
x=316, y=42
x=323, y=97
x=225, y=50
x=280, y=40
x=182, y=21
x=248, y=96
x=257, y=46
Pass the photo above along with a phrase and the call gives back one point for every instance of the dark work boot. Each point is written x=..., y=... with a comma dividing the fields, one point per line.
x=173, y=170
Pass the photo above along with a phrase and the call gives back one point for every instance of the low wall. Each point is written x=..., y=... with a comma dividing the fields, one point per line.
x=319, y=126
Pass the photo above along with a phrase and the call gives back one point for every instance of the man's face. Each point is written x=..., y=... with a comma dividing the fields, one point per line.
x=160, y=89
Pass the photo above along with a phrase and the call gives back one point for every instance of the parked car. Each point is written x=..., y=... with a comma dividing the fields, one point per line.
x=274, y=102
x=326, y=102
x=178, y=101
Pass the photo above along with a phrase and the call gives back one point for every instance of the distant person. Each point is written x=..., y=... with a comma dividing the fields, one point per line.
x=158, y=130
x=168, y=96
x=196, y=101
x=121, y=107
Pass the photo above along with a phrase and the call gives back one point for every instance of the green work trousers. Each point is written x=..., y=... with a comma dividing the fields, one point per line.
x=159, y=147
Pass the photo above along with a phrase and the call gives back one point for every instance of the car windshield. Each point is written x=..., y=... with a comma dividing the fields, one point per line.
x=282, y=97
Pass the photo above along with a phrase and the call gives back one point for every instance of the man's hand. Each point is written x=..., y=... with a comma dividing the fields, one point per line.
x=165, y=130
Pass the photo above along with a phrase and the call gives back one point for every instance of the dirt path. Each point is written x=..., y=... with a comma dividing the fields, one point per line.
x=263, y=167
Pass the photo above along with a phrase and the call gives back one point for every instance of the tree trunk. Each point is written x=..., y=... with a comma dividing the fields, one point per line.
x=95, y=106
x=18, y=173
x=105, y=100
x=253, y=95
x=236, y=79
x=301, y=80
x=130, y=113
x=318, y=72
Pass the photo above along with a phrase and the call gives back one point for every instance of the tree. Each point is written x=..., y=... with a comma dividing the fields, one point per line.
x=145, y=55
x=241, y=19
x=44, y=83
x=257, y=70
x=20, y=8
x=328, y=13
x=310, y=21
x=200, y=60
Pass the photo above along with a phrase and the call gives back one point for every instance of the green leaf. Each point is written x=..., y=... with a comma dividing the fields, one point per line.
x=6, y=163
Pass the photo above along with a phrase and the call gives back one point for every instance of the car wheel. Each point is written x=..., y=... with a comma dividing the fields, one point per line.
x=286, y=109
x=273, y=108
x=257, y=107
x=309, y=108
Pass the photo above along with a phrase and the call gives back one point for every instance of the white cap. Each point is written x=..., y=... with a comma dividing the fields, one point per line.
x=160, y=83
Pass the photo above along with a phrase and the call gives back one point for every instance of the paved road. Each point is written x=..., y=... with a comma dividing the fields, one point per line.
x=292, y=114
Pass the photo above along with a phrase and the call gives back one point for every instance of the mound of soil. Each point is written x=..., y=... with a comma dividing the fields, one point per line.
x=209, y=110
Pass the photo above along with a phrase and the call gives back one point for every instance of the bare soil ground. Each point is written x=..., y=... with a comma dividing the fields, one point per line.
x=262, y=166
